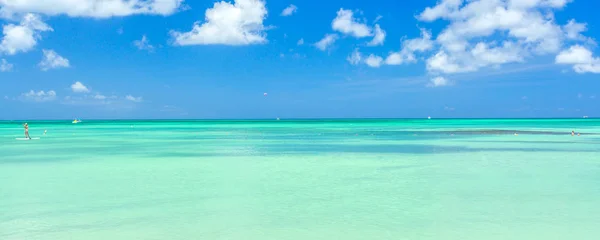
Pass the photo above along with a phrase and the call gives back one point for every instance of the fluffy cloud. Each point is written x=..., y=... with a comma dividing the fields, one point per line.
x=78, y=87
x=479, y=56
x=39, y=96
x=471, y=39
x=22, y=37
x=581, y=58
x=5, y=66
x=374, y=61
x=326, y=42
x=574, y=29
x=133, y=99
x=347, y=24
x=240, y=23
x=288, y=11
x=90, y=8
x=300, y=42
x=439, y=82
x=143, y=44
x=409, y=47
x=379, y=37
x=52, y=60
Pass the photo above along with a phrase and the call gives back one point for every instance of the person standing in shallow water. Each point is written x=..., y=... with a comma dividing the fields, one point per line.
x=26, y=130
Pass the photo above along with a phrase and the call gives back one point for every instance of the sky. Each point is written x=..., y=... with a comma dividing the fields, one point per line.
x=172, y=59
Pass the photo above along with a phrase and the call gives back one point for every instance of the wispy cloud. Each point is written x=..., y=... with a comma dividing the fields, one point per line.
x=52, y=60
x=289, y=11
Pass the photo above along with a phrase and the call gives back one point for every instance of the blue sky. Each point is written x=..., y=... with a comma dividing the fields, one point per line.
x=317, y=59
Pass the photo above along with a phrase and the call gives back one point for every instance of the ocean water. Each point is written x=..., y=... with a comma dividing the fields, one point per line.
x=311, y=179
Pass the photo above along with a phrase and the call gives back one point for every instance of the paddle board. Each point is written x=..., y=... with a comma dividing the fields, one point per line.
x=27, y=139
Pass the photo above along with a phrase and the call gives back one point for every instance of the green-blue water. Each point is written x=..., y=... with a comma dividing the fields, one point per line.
x=336, y=179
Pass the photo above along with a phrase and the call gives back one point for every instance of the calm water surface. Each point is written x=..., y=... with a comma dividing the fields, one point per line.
x=313, y=179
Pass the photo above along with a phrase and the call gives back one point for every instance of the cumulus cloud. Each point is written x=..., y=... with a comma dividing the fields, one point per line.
x=22, y=37
x=581, y=58
x=379, y=37
x=90, y=8
x=374, y=61
x=300, y=42
x=133, y=99
x=143, y=44
x=483, y=33
x=5, y=66
x=574, y=29
x=78, y=87
x=409, y=47
x=289, y=11
x=39, y=96
x=439, y=82
x=52, y=60
x=326, y=42
x=348, y=25
x=240, y=23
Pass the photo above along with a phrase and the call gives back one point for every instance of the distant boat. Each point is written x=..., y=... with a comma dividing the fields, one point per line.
x=429, y=117
x=76, y=121
x=585, y=116
x=277, y=119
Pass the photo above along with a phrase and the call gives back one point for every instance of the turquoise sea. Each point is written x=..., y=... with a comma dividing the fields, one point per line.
x=308, y=179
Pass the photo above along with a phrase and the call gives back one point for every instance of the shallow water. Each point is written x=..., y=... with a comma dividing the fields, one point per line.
x=312, y=179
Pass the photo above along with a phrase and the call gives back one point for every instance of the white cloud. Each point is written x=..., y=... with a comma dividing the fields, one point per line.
x=22, y=37
x=409, y=47
x=379, y=37
x=581, y=58
x=441, y=10
x=240, y=23
x=374, y=61
x=78, y=87
x=90, y=8
x=99, y=97
x=133, y=99
x=379, y=17
x=575, y=55
x=355, y=58
x=485, y=55
x=288, y=11
x=300, y=42
x=39, y=96
x=52, y=60
x=485, y=33
x=326, y=42
x=347, y=24
x=143, y=44
x=574, y=29
x=5, y=66
x=442, y=62
x=439, y=82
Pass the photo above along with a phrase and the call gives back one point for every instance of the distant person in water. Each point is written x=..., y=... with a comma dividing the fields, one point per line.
x=572, y=133
x=45, y=131
x=26, y=130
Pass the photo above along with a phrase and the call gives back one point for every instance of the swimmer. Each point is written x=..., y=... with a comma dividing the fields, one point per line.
x=572, y=133
x=45, y=131
x=26, y=131
x=578, y=134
